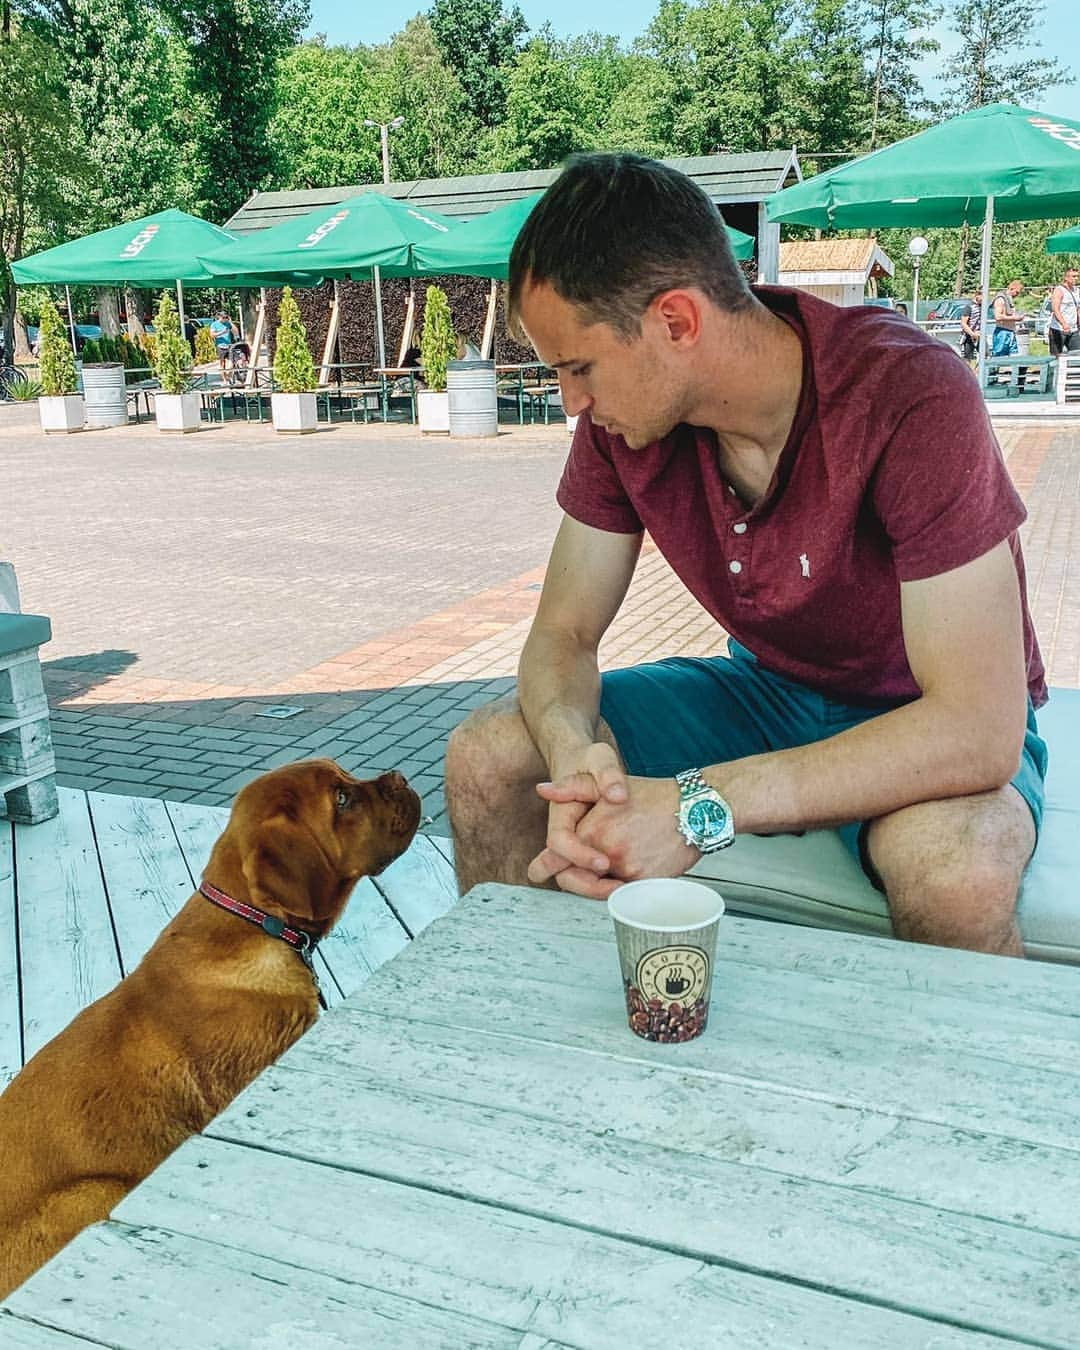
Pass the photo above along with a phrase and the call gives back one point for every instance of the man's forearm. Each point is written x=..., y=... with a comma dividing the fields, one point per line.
x=920, y=752
x=559, y=692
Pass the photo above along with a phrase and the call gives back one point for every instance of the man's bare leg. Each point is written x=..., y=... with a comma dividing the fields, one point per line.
x=492, y=769
x=952, y=869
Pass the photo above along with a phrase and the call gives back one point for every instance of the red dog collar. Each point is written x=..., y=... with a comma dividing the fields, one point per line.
x=302, y=943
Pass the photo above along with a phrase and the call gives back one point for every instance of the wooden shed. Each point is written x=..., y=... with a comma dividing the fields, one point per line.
x=839, y=270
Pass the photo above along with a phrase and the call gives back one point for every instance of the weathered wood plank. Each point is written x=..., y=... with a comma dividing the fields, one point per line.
x=880, y=963
x=642, y=1166
x=15, y=1334
x=10, y=1015
x=146, y=878
x=197, y=829
x=366, y=936
x=69, y=955
x=133, y=1288
x=714, y=1116
x=512, y=1269
x=444, y=845
x=789, y=1029
x=419, y=885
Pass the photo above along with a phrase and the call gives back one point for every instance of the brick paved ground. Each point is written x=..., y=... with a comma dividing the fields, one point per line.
x=380, y=581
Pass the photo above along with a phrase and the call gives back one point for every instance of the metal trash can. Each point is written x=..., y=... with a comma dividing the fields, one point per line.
x=473, y=406
x=105, y=394
x=1023, y=342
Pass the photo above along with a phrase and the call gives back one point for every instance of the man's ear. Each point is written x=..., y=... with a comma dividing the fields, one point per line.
x=680, y=313
x=284, y=868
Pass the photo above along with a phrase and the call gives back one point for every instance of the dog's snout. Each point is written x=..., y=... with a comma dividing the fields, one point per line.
x=391, y=784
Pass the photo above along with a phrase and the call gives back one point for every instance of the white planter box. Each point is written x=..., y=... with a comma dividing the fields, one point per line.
x=433, y=411
x=294, y=414
x=62, y=414
x=178, y=413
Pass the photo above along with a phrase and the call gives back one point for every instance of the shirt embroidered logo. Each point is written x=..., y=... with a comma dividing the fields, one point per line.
x=804, y=563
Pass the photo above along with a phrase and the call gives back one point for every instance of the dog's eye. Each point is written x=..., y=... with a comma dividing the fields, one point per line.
x=341, y=797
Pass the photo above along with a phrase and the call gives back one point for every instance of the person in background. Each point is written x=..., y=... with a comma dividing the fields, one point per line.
x=901, y=308
x=1063, y=331
x=971, y=327
x=191, y=328
x=467, y=350
x=1006, y=319
x=224, y=333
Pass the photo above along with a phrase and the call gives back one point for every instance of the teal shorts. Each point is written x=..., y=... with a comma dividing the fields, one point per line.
x=687, y=712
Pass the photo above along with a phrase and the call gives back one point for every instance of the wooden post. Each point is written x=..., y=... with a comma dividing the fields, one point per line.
x=410, y=324
x=257, y=341
x=331, y=335
x=489, y=323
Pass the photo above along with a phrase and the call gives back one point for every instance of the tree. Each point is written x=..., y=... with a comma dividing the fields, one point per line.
x=316, y=133
x=440, y=136
x=831, y=89
x=37, y=167
x=233, y=48
x=896, y=41
x=479, y=41
x=995, y=61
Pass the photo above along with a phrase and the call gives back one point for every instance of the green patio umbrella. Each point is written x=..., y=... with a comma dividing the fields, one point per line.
x=349, y=239
x=155, y=251
x=481, y=247
x=999, y=161
x=363, y=237
x=1065, y=241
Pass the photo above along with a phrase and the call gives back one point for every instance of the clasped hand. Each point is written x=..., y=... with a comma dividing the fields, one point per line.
x=606, y=827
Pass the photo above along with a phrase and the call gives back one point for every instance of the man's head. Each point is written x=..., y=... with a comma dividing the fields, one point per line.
x=1071, y=277
x=610, y=278
x=222, y=316
x=978, y=294
x=1015, y=287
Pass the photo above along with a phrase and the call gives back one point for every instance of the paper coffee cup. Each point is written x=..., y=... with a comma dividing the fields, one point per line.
x=665, y=928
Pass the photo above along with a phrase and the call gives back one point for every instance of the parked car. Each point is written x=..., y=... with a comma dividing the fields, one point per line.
x=1042, y=319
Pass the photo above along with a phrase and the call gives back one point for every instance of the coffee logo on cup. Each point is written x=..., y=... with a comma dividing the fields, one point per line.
x=673, y=974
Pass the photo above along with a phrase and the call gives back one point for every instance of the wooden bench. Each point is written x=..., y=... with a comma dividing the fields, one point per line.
x=1022, y=373
x=27, y=766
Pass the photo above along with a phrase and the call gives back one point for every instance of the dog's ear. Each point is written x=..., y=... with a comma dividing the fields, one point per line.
x=285, y=868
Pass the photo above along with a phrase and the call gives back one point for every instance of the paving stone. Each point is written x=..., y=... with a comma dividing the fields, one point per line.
x=229, y=761
x=79, y=781
x=172, y=751
x=194, y=781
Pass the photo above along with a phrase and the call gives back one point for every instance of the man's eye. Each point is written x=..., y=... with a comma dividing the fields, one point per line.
x=582, y=370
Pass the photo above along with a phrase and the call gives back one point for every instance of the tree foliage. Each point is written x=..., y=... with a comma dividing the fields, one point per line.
x=438, y=342
x=479, y=40
x=172, y=355
x=55, y=354
x=294, y=370
x=996, y=60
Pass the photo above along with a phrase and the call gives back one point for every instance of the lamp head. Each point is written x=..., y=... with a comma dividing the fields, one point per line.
x=917, y=247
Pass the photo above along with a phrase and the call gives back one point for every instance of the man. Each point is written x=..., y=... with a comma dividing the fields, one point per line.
x=224, y=335
x=971, y=327
x=1006, y=319
x=1065, y=315
x=826, y=482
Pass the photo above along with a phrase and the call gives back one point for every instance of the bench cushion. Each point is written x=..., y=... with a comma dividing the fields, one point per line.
x=18, y=631
x=813, y=879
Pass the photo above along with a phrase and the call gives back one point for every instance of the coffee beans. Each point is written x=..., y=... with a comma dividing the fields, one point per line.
x=654, y=1020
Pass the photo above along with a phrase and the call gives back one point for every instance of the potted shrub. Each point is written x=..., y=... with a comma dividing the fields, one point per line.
x=60, y=407
x=438, y=347
x=292, y=402
x=178, y=407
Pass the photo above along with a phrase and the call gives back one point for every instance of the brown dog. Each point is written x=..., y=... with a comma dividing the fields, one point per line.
x=214, y=1001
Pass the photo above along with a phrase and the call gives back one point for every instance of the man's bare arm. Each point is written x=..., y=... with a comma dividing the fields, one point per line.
x=964, y=638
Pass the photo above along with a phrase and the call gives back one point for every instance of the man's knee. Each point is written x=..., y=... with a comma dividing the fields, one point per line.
x=490, y=750
x=952, y=870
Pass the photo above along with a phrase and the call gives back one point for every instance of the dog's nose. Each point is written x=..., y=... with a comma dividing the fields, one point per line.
x=391, y=784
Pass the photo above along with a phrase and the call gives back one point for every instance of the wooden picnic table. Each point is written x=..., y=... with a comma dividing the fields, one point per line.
x=875, y=1144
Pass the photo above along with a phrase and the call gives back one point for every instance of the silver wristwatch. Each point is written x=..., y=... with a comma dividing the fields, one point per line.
x=705, y=820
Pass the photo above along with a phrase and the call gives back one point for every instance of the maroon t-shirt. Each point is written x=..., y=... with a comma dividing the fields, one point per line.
x=891, y=473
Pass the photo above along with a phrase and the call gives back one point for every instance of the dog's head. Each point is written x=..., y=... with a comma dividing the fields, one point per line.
x=307, y=832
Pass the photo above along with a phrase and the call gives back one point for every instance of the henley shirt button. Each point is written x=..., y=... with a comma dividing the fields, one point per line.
x=740, y=528
x=735, y=566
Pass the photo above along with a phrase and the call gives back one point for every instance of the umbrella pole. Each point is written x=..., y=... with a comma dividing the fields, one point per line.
x=984, y=282
x=379, y=317
x=71, y=321
x=180, y=304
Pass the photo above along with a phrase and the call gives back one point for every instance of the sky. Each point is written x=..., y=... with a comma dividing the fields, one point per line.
x=343, y=21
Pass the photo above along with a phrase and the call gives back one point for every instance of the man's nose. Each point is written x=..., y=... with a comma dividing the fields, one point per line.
x=574, y=398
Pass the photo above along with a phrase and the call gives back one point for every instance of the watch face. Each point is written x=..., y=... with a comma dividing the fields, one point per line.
x=707, y=819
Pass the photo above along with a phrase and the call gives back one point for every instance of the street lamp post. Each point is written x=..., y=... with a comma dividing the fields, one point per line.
x=916, y=249
x=384, y=133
